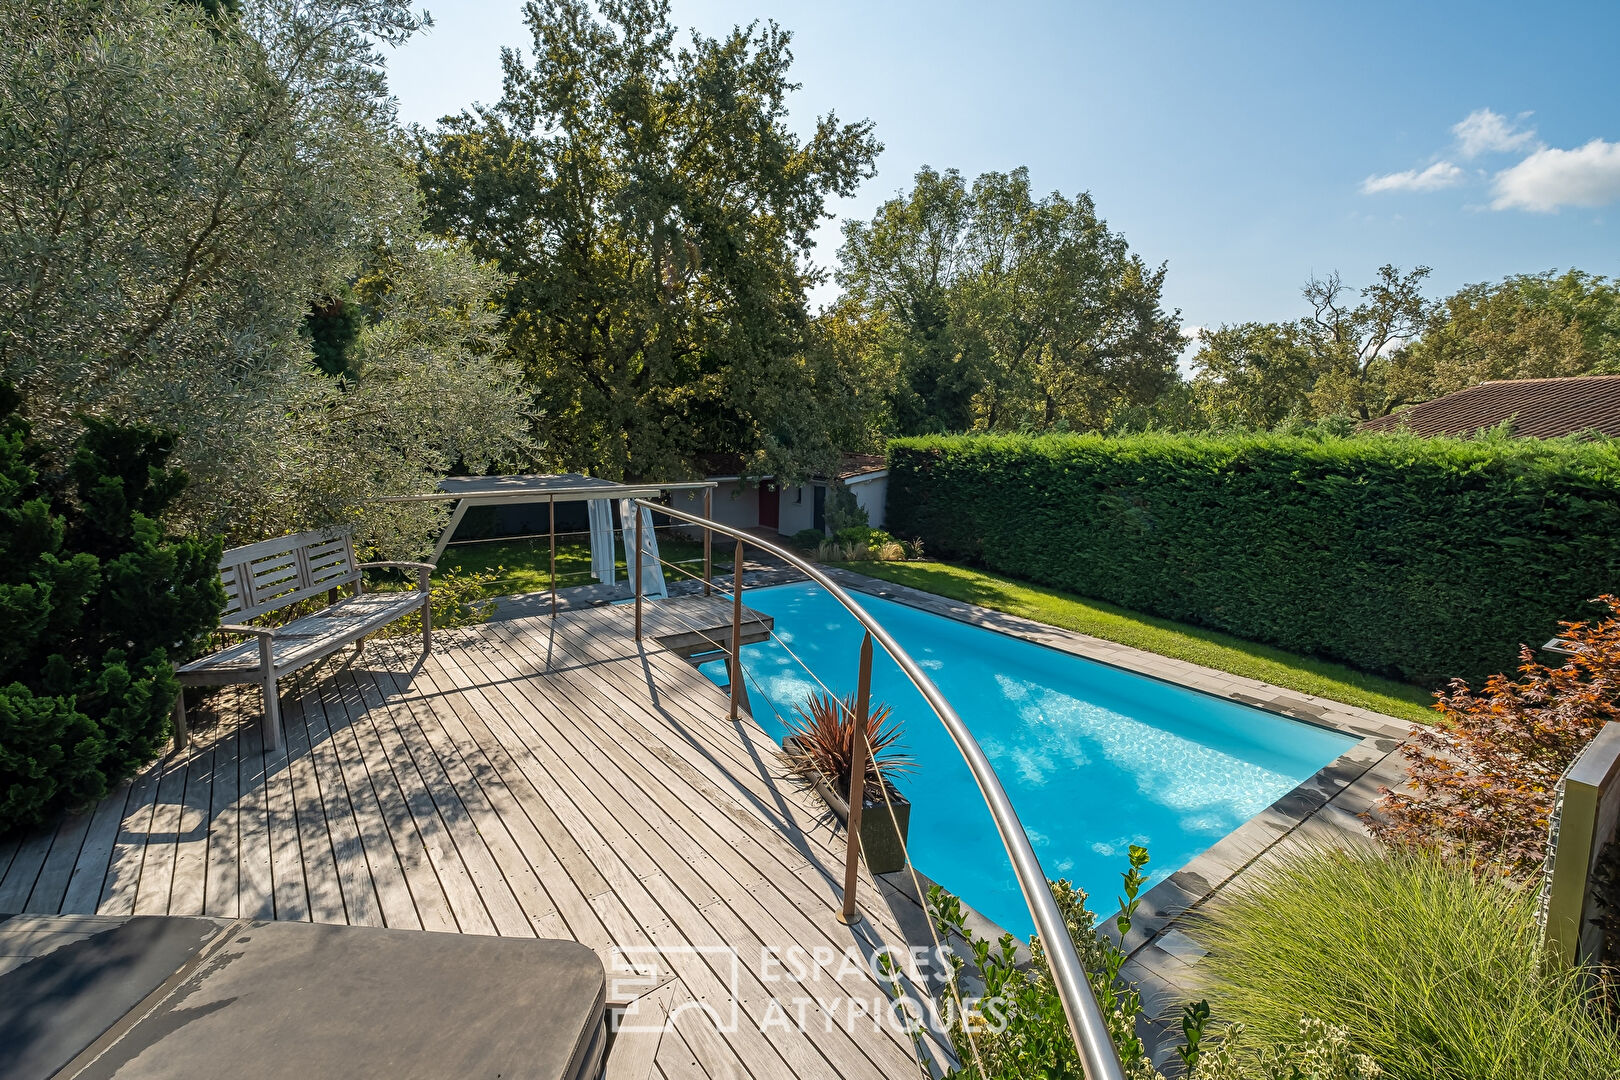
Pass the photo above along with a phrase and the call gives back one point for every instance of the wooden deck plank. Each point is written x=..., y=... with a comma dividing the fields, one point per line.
x=123, y=875
x=90, y=870
x=190, y=876
x=323, y=878
x=706, y=974
x=659, y=830
x=817, y=890
x=427, y=895
x=290, y=890
x=223, y=869
x=24, y=870
x=754, y=871
x=516, y=801
x=8, y=851
x=474, y=706
x=735, y=763
x=256, y=883
x=670, y=786
x=464, y=812
x=46, y=896
x=719, y=1059
x=594, y=793
x=597, y=832
x=489, y=804
x=342, y=767
x=456, y=877
x=676, y=1060
x=331, y=793
x=157, y=863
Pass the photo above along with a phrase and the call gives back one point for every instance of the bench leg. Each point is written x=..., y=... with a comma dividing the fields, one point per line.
x=180, y=739
x=272, y=715
x=427, y=625
x=272, y=697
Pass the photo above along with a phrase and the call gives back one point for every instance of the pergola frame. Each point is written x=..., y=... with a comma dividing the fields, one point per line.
x=470, y=491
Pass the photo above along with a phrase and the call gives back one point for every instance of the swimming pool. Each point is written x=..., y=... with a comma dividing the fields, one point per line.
x=1094, y=758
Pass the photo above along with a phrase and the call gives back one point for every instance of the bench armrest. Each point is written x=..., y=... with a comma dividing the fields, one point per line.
x=237, y=628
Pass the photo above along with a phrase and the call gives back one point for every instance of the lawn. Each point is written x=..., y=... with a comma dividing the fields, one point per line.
x=1211, y=648
x=522, y=566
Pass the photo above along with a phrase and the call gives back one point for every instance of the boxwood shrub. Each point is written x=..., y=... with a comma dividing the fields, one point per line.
x=1424, y=559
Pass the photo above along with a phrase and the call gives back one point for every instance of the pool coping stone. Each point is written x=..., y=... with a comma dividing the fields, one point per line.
x=1355, y=777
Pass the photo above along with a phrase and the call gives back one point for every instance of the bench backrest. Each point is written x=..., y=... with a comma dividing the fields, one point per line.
x=272, y=574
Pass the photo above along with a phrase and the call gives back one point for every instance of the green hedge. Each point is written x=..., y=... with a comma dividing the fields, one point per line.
x=1425, y=559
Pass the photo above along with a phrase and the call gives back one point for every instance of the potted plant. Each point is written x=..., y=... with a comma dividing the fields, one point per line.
x=819, y=750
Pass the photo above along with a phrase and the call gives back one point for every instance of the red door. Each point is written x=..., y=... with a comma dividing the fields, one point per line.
x=770, y=505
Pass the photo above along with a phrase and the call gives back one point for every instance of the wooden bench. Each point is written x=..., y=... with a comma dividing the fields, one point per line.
x=275, y=574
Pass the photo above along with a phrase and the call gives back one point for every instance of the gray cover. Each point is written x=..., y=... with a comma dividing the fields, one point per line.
x=296, y=1001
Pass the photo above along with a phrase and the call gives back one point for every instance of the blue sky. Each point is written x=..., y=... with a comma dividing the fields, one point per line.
x=1249, y=145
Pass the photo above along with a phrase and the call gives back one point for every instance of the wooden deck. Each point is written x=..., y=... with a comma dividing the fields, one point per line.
x=531, y=777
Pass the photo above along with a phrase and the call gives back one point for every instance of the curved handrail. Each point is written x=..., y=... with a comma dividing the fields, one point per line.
x=1087, y=1024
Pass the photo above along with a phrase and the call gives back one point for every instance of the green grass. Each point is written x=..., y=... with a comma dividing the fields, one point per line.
x=522, y=566
x=1210, y=648
x=1432, y=971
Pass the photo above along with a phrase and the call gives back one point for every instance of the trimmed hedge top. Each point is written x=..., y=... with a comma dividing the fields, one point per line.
x=1425, y=559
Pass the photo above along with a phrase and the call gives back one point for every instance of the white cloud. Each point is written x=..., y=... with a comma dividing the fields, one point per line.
x=1551, y=178
x=1485, y=132
x=1442, y=174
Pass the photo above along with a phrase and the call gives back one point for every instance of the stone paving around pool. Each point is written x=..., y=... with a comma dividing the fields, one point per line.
x=1325, y=809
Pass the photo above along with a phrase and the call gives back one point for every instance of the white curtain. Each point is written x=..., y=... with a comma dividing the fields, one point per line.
x=602, y=560
x=638, y=530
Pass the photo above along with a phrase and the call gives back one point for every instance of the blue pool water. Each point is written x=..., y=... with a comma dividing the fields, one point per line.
x=1095, y=759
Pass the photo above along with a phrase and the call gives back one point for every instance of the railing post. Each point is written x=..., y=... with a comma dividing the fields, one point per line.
x=857, y=782
x=708, y=543
x=635, y=515
x=554, y=556
x=736, y=629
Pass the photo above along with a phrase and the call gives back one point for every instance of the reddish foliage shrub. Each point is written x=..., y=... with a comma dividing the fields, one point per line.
x=1485, y=776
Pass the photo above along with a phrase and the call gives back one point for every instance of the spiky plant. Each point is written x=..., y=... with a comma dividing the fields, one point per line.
x=822, y=739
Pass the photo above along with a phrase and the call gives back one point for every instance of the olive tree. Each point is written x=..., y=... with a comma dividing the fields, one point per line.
x=180, y=184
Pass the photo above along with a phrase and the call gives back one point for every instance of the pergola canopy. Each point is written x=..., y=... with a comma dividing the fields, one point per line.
x=469, y=491
x=535, y=487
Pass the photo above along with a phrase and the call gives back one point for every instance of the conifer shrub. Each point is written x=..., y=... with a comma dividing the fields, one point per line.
x=97, y=604
x=1421, y=559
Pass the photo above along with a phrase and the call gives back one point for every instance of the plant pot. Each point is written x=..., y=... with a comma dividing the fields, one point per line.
x=882, y=846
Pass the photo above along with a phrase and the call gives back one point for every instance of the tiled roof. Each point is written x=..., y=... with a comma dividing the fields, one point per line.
x=851, y=465
x=1539, y=408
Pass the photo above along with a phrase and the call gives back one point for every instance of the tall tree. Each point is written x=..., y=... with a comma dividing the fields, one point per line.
x=1253, y=375
x=1001, y=310
x=654, y=212
x=1345, y=358
x=902, y=273
x=1354, y=345
x=1528, y=326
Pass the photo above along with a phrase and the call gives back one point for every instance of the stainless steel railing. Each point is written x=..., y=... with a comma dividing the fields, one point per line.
x=1087, y=1023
